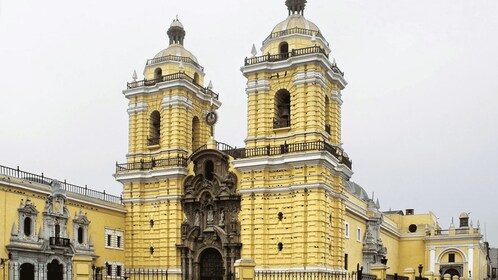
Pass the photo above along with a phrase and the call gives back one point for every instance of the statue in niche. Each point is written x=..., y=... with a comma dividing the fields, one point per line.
x=197, y=219
x=222, y=218
x=210, y=216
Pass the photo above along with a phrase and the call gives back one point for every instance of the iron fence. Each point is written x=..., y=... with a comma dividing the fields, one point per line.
x=146, y=274
x=306, y=275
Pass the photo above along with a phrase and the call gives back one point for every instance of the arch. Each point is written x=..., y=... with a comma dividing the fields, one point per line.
x=80, y=235
x=196, y=78
x=27, y=271
x=196, y=133
x=282, y=109
x=57, y=230
x=155, y=128
x=452, y=272
x=211, y=264
x=27, y=226
x=327, y=114
x=283, y=49
x=55, y=270
x=158, y=73
x=451, y=250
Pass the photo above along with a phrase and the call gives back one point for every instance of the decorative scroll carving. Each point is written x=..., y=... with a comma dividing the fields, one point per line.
x=211, y=205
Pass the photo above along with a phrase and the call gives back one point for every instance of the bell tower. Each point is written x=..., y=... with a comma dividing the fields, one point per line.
x=293, y=170
x=293, y=89
x=171, y=114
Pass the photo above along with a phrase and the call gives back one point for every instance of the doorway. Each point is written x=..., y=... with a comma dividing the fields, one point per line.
x=27, y=272
x=54, y=270
x=211, y=265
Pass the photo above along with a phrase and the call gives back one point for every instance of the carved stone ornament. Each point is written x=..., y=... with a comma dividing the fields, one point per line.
x=211, y=206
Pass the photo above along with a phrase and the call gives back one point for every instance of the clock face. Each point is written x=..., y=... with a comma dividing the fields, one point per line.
x=211, y=118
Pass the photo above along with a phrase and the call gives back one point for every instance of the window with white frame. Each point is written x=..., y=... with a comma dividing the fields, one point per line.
x=114, y=238
x=346, y=230
x=358, y=234
x=114, y=269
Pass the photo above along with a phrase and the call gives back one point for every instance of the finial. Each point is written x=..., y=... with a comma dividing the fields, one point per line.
x=334, y=63
x=210, y=85
x=313, y=37
x=254, y=52
x=478, y=224
x=181, y=66
x=134, y=76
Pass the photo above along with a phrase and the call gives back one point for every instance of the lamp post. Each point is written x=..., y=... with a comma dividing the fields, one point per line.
x=420, y=267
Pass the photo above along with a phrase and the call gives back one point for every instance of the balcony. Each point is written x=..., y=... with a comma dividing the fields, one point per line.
x=295, y=52
x=179, y=161
x=59, y=241
x=269, y=150
x=171, y=77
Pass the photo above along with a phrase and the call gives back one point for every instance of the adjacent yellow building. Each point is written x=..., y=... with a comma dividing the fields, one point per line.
x=195, y=208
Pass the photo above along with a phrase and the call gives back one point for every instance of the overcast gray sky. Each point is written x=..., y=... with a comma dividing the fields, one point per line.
x=419, y=113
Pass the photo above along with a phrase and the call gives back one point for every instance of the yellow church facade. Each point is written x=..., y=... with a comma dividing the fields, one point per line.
x=195, y=208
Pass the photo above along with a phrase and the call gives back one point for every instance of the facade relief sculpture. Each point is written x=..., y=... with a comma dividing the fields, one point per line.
x=211, y=229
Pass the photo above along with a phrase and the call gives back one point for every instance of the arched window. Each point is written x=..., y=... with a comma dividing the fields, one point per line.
x=80, y=235
x=57, y=230
x=283, y=50
x=196, y=78
x=196, y=133
x=155, y=128
x=282, y=109
x=27, y=226
x=327, y=114
x=208, y=170
x=158, y=73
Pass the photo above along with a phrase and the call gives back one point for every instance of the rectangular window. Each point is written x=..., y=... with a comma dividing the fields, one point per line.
x=346, y=261
x=451, y=258
x=118, y=241
x=346, y=230
x=118, y=271
x=358, y=234
x=108, y=270
x=109, y=238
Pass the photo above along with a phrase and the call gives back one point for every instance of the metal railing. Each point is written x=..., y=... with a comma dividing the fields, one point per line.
x=396, y=277
x=174, y=58
x=171, y=77
x=285, y=148
x=283, y=56
x=59, y=241
x=295, y=30
x=179, y=161
x=145, y=273
x=305, y=275
x=17, y=173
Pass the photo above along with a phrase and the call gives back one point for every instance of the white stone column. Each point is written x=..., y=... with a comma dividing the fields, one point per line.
x=432, y=261
x=470, y=262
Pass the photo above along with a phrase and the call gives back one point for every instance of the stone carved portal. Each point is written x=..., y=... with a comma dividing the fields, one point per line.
x=211, y=232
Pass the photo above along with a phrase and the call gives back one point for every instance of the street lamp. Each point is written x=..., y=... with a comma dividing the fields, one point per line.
x=420, y=267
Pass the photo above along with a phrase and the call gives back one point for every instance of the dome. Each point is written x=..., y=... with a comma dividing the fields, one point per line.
x=295, y=21
x=176, y=50
x=357, y=190
x=464, y=215
x=176, y=23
